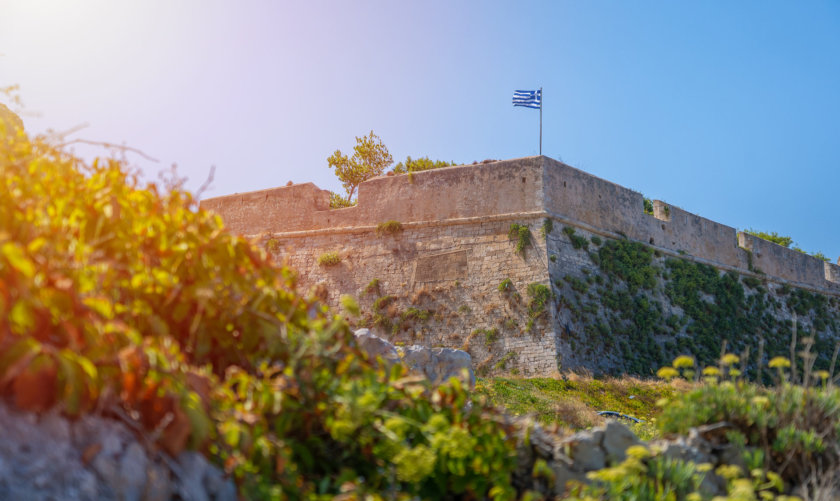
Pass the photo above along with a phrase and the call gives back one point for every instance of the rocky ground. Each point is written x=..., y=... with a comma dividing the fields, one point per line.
x=50, y=457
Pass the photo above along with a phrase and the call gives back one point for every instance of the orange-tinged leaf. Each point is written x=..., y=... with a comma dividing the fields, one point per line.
x=175, y=436
x=16, y=358
x=35, y=387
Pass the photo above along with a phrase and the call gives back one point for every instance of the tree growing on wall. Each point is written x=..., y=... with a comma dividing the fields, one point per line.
x=420, y=164
x=370, y=159
x=784, y=241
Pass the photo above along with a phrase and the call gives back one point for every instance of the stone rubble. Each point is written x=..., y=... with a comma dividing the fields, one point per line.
x=435, y=364
x=51, y=457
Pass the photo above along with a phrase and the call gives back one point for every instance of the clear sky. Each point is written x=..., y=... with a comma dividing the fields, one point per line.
x=727, y=109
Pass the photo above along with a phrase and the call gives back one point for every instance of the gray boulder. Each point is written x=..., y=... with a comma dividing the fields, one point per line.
x=375, y=346
x=435, y=364
x=439, y=364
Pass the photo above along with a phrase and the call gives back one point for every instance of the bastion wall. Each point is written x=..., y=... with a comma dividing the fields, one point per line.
x=440, y=275
x=531, y=186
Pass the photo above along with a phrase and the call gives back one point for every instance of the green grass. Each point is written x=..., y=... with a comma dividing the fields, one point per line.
x=573, y=403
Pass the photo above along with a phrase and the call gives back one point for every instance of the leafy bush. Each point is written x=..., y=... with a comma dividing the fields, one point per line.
x=109, y=288
x=506, y=285
x=420, y=164
x=372, y=287
x=337, y=201
x=547, y=226
x=792, y=429
x=578, y=242
x=630, y=261
x=490, y=336
x=648, y=206
x=539, y=294
x=329, y=259
x=522, y=234
x=389, y=228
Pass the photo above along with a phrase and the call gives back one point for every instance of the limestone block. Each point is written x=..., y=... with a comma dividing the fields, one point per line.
x=375, y=346
x=438, y=364
x=617, y=438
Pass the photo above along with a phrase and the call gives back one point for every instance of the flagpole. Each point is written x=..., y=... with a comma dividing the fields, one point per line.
x=541, y=101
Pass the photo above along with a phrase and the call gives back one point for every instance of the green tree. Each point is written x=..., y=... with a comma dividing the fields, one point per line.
x=784, y=241
x=370, y=159
x=422, y=163
x=774, y=237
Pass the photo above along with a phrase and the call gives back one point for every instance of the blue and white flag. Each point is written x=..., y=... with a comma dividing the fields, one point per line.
x=528, y=98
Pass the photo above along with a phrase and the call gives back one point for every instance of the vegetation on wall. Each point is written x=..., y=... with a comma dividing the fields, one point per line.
x=389, y=228
x=784, y=241
x=521, y=234
x=648, y=206
x=578, y=242
x=420, y=164
x=370, y=159
x=329, y=259
x=623, y=311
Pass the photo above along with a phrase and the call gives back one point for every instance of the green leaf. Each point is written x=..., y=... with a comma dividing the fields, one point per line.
x=74, y=385
x=17, y=357
x=101, y=305
x=17, y=259
x=199, y=421
x=21, y=317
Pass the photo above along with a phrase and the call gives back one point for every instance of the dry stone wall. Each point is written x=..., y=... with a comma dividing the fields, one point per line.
x=437, y=281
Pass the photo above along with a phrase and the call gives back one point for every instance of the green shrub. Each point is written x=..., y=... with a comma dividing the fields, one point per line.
x=338, y=201
x=506, y=285
x=751, y=282
x=539, y=295
x=790, y=429
x=521, y=234
x=329, y=259
x=578, y=242
x=502, y=363
x=547, y=226
x=413, y=313
x=577, y=284
x=629, y=261
x=272, y=245
x=373, y=287
x=648, y=206
x=389, y=228
x=382, y=302
x=595, y=239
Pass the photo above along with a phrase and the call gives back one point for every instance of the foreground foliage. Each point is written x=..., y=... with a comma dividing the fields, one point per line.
x=118, y=296
x=121, y=297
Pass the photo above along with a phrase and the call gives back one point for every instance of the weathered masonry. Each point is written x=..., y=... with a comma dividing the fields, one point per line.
x=596, y=283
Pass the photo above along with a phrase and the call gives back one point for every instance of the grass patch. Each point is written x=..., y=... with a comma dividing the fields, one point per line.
x=329, y=259
x=372, y=287
x=389, y=228
x=506, y=285
x=573, y=403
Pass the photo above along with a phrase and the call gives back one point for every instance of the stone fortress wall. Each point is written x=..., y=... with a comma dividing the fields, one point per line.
x=437, y=281
x=521, y=188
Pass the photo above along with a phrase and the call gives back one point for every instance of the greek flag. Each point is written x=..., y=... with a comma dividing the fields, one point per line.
x=528, y=98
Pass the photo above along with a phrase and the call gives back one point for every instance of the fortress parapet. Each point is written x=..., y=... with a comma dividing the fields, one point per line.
x=525, y=187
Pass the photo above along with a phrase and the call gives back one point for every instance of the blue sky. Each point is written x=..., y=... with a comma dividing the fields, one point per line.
x=727, y=109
